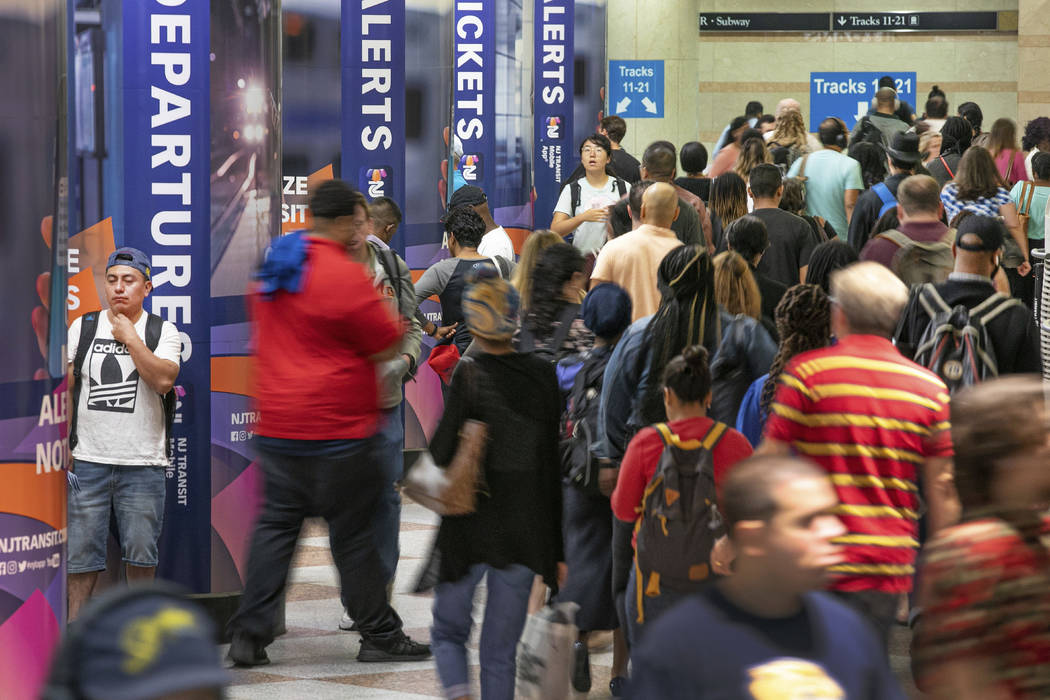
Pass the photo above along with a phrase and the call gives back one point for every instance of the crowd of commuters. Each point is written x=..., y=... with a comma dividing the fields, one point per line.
x=766, y=390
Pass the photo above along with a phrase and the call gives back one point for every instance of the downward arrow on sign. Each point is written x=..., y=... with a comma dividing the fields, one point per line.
x=842, y=21
x=649, y=105
x=623, y=104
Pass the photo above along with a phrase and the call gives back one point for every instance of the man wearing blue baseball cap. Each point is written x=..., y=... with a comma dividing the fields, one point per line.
x=123, y=364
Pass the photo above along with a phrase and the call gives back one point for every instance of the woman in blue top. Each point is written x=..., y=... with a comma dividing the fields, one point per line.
x=803, y=320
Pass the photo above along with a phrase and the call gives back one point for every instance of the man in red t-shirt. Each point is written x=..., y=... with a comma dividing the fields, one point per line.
x=320, y=327
x=874, y=421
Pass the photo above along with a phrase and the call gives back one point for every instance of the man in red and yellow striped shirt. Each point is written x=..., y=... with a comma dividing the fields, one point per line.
x=874, y=421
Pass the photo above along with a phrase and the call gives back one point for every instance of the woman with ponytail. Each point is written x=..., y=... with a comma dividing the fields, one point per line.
x=803, y=320
x=685, y=392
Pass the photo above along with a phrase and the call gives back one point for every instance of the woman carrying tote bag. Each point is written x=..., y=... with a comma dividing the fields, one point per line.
x=514, y=531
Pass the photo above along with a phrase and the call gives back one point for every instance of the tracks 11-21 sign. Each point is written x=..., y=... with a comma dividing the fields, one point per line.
x=849, y=95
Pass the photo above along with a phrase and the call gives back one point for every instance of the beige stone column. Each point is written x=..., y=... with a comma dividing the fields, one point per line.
x=1033, y=60
x=655, y=30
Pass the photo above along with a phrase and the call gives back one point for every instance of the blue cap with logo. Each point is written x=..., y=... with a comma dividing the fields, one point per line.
x=150, y=645
x=132, y=257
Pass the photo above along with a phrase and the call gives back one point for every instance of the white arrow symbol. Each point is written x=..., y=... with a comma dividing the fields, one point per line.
x=649, y=105
x=842, y=21
x=622, y=104
x=862, y=110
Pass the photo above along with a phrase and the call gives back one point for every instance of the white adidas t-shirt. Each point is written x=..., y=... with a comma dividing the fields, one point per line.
x=120, y=419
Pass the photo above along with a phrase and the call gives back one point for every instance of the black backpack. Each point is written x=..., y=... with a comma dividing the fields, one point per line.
x=869, y=132
x=88, y=326
x=680, y=521
x=579, y=428
x=552, y=352
x=956, y=345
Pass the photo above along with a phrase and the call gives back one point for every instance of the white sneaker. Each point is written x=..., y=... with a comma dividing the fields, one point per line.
x=346, y=624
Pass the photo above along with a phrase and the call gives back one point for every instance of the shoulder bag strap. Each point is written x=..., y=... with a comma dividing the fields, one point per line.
x=895, y=237
x=946, y=167
x=802, y=168
x=1027, y=192
x=565, y=319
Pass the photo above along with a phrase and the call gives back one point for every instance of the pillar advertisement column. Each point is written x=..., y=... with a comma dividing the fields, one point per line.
x=33, y=411
x=166, y=106
x=553, y=62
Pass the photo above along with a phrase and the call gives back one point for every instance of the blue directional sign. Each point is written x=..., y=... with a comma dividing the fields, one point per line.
x=848, y=95
x=636, y=89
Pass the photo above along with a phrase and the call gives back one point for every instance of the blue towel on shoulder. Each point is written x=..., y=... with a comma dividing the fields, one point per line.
x=284, y=264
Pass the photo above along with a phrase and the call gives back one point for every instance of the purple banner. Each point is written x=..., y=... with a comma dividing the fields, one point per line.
x=552, y=101
x=167, y=213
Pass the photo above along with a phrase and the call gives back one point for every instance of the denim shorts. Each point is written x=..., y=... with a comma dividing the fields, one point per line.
x=136, y=495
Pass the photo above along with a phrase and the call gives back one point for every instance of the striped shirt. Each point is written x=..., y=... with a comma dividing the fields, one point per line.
x=870, y=418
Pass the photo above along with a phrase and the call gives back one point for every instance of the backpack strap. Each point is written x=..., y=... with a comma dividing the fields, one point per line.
x=88, y=326
x=931, y=300
x=884, y=193
x=565, y=319
x=993, y=306
x=154, y=325
x=946, y=167
x=896, y=237
x=709, y=441
x=621, y=187
x=575, y=195
x=495, y=263
x=388, y=259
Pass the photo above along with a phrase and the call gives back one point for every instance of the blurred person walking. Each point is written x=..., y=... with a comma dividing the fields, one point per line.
x=765, y=631
x=320, y=329
x=985, y=592
x=515, y=531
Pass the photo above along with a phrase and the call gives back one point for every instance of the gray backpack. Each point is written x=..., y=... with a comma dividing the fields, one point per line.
x=918, y=262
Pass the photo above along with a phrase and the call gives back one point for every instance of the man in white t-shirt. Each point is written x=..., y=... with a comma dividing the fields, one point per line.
x=495, y=241
x=122, y=378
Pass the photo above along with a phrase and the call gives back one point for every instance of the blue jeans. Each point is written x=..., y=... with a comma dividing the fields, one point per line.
x=387, y=519
x=505, y=611
x=136, y=495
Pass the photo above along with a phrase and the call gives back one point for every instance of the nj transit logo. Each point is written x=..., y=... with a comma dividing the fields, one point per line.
x=376, y=181
x=554, y=127
x=470, y=167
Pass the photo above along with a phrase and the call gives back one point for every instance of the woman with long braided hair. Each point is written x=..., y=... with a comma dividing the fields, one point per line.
x=803, y=320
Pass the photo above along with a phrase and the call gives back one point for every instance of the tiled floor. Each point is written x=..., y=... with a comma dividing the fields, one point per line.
x=316, y=661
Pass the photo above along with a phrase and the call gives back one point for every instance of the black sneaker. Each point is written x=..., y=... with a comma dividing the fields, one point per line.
x=401, y=648
x=581, y=668
x=245, y=651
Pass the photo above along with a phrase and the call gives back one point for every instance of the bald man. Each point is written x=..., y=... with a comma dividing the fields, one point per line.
x=632, y=260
